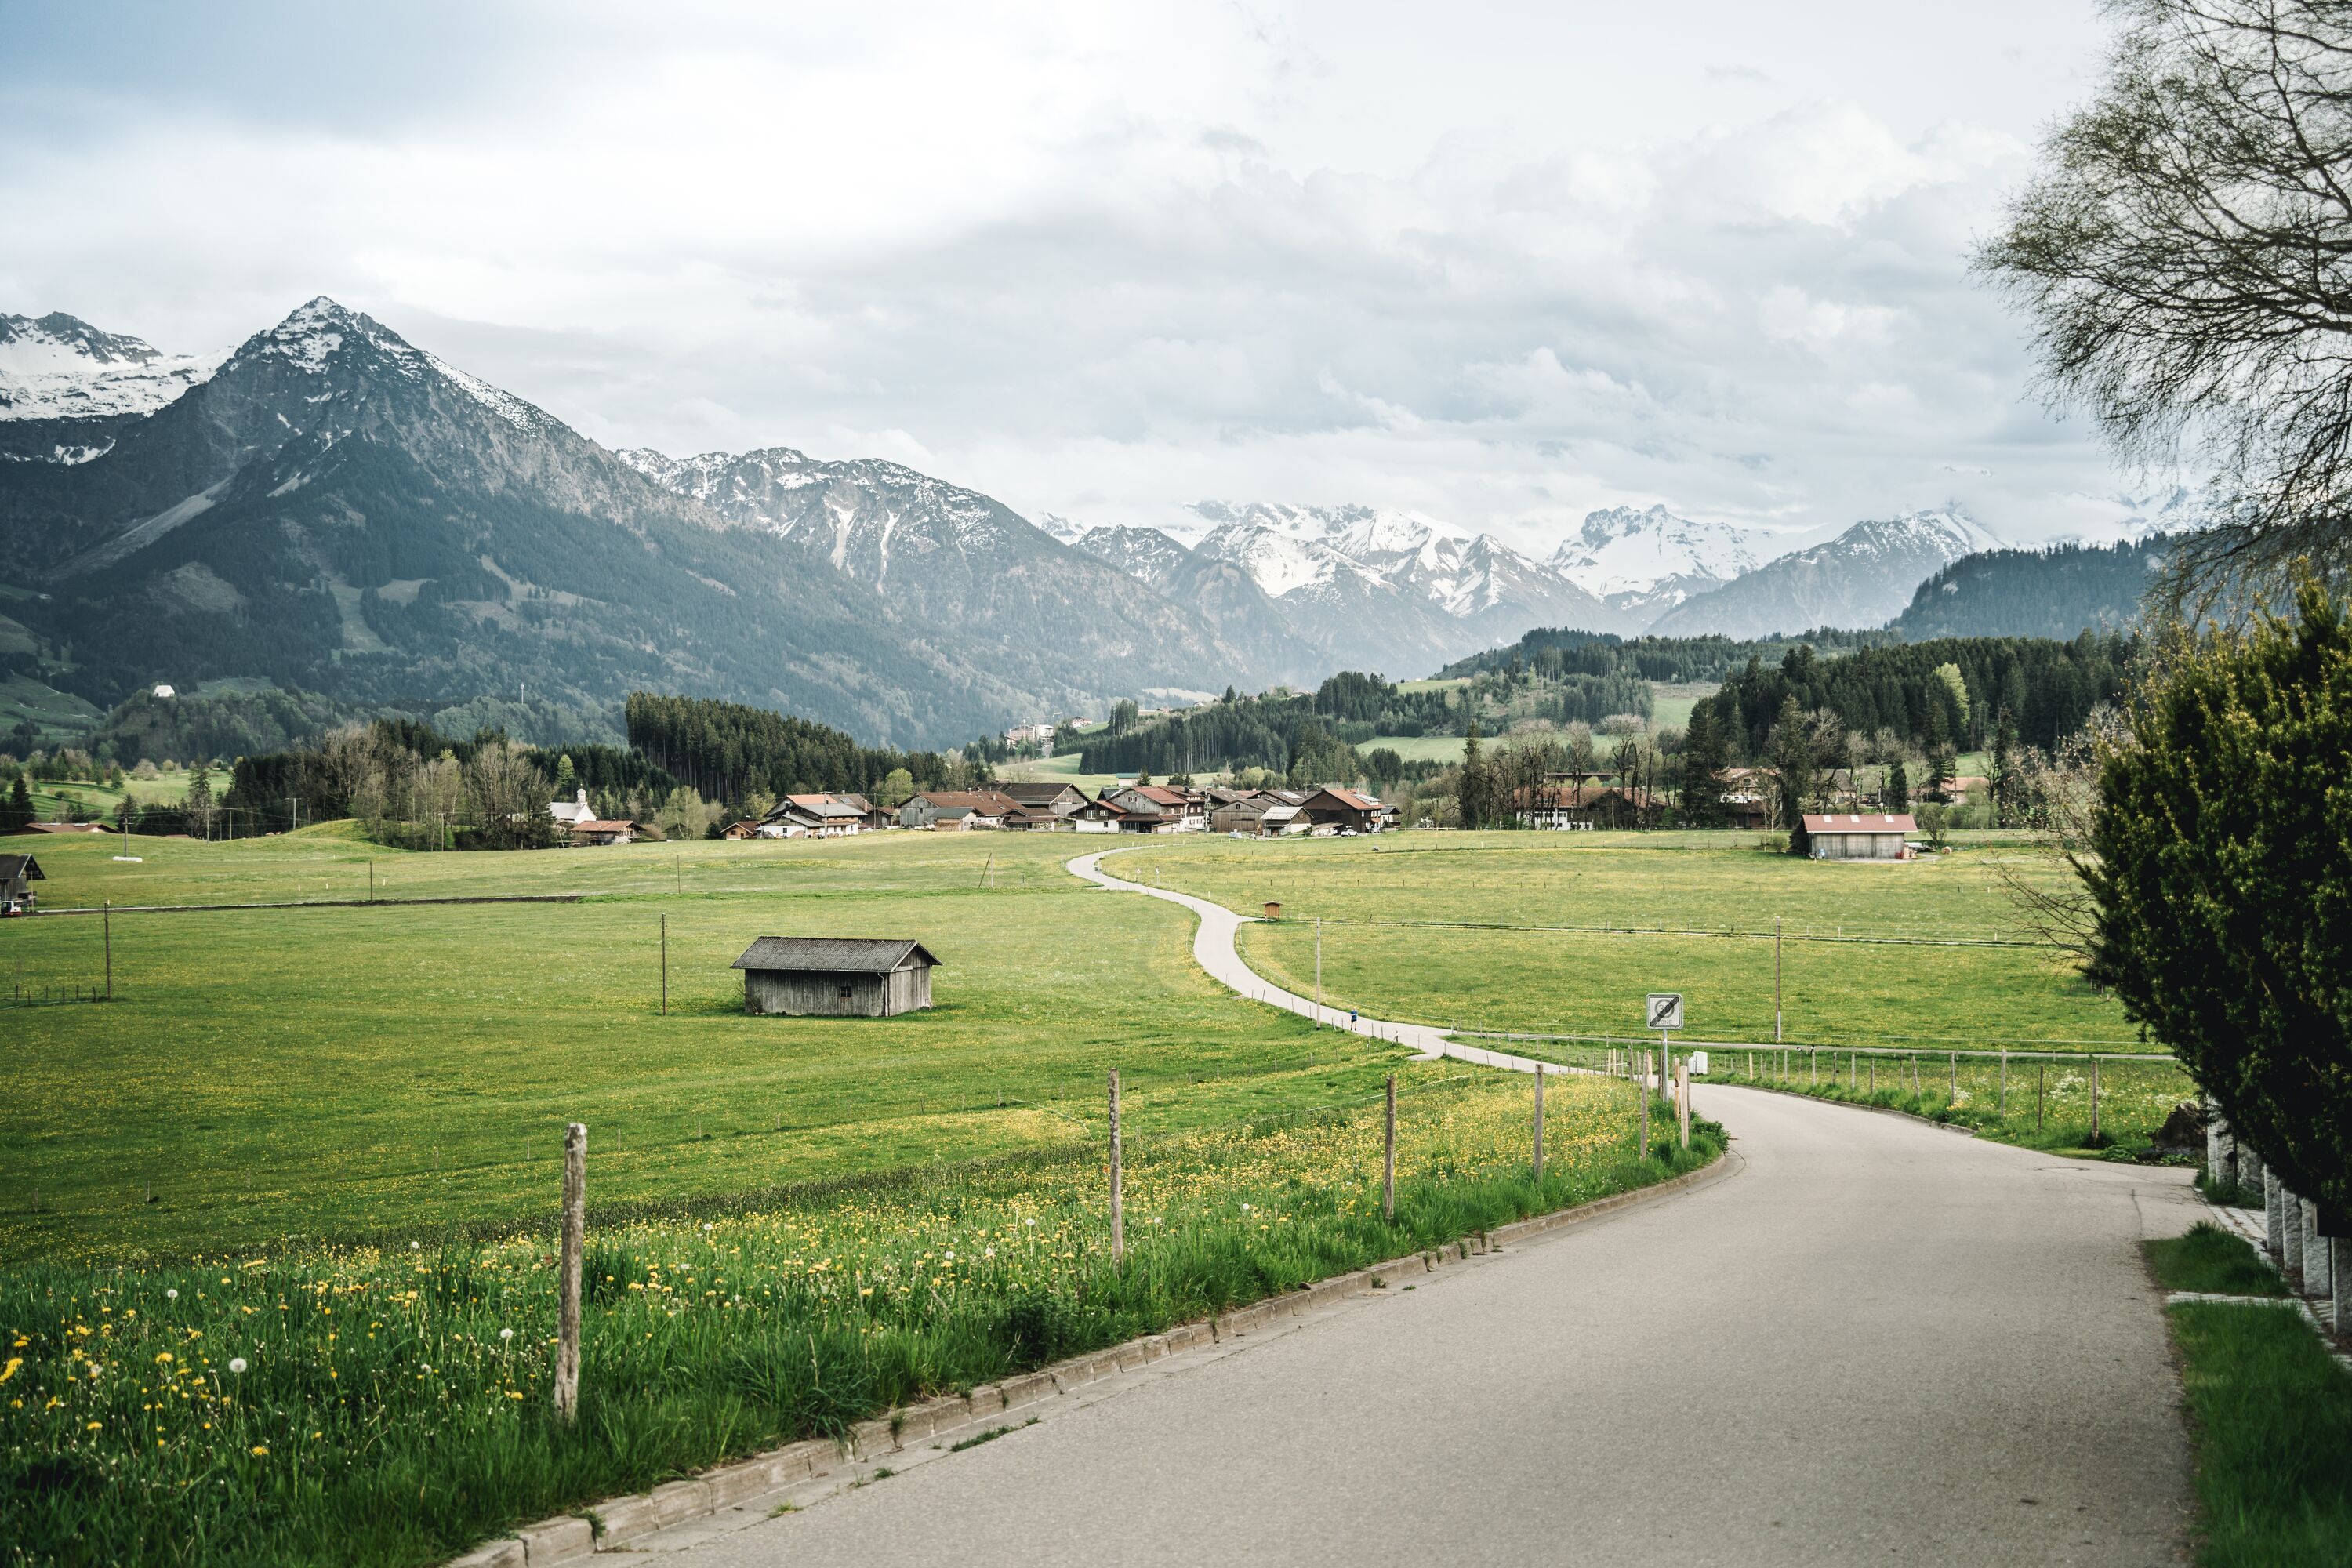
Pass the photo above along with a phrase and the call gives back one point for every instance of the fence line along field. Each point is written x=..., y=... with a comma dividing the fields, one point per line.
x=391, y=1406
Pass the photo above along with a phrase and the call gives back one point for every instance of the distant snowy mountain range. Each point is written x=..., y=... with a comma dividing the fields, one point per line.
x=1352, y=579
x=330, y=505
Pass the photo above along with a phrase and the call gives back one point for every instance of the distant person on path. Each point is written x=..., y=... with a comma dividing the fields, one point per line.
x=1351, y=1017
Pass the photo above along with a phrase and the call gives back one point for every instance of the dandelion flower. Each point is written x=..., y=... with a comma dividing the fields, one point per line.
x=237, y=1365
x=260, y=1449
x=173, y=1294
x=505, y=1334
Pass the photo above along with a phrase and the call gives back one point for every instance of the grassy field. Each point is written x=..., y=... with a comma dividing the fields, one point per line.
x=278, y=1076
x=168, y=787
x=1410, y=933
x=389, y=1405
x=1671, y=701
x=58, y=715
x=1061, y=767
x=1432, y=962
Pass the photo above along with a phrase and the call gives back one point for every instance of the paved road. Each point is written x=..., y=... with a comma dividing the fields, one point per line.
x=1878, y=1341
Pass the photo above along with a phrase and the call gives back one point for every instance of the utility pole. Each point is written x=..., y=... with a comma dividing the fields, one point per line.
x=1388, y=1166
x=1118, y=1203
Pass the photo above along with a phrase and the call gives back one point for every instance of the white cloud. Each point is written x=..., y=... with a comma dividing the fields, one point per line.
x=1106, y=260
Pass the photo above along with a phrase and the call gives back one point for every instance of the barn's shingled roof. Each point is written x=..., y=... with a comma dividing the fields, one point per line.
x=833, y=955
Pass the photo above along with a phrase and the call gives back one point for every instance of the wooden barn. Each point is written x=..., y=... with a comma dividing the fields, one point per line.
x=836, y=976
x=17, y=875
x=1840, y=836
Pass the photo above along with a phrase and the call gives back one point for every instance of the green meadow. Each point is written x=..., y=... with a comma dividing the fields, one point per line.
x=274, y=1077
x=1409, y=930
x=279, y=1076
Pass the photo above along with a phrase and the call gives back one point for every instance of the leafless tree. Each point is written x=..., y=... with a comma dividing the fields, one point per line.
x=2058, y=793
x=2185, y=254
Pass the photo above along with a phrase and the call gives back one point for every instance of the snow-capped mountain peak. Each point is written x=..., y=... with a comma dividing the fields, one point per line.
x=61, y=367
x=1948, y=529
x=320, y=337
x=1619, y=550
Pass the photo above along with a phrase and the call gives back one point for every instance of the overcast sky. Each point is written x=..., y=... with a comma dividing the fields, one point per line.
x=1501, y=264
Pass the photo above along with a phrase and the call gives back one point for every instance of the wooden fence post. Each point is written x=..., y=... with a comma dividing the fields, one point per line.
x=1117, y=1203
x=575, y=1226
x=109, y=950
x=1643, y=1101
x=1952, y=1095
x=2004, y=1080
x=2040, y=1077
x=1682, y=1100
x=1540, y=1077
x=664, y=966
x=1388, y=1165
x=2094, y=1097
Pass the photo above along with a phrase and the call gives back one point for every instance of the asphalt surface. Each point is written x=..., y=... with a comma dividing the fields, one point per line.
x=1874, y=1341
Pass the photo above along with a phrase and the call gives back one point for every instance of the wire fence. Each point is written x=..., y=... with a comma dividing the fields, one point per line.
x=426, y=1195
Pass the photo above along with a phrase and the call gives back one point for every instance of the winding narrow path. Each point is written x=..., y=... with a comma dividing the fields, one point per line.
x=1212, y=949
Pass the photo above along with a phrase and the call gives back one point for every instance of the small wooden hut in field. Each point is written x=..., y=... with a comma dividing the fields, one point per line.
x=836, y=976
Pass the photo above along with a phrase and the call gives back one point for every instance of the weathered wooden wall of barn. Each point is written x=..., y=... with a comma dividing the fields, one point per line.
x=818, y=994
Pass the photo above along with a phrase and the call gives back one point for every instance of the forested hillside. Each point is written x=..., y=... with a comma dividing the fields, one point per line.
x=1553, y=652
x=1951, y=691
x=2053, y=593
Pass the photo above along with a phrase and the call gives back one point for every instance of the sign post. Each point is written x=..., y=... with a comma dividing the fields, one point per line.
x=1665, y=1014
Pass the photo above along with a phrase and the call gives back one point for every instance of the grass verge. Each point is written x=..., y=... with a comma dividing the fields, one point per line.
x=2271, y=1421
x=2211, y=1260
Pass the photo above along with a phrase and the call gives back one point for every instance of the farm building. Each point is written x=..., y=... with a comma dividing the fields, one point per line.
x=836, y=976
x=17, y=873
x=1061, y=799
x=1842, y=836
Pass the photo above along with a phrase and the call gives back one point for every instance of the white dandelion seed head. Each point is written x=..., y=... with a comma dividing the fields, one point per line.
x=506, y=1334
x=173, y=1294
x=237, y=1365
x=416, y=1246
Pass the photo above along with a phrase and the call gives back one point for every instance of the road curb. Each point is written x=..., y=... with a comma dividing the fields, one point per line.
x=617, y=1523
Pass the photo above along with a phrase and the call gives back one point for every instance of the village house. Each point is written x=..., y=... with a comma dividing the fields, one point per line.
x=1060, y=799
x=620, y=831
x=1341, y=810
x=1182, y=811
x=17, y=874
x=956, y=811
x=1840, y=836
x=812, y=817
x=1257, y=813
x=840, y=977
x=1100, y=816
x=1579, y=802
x=1038, y=735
